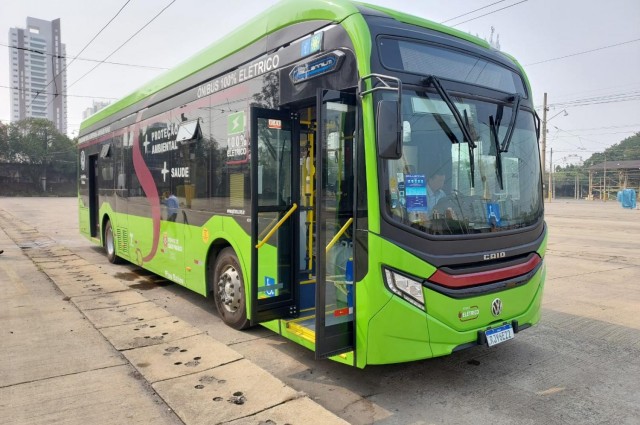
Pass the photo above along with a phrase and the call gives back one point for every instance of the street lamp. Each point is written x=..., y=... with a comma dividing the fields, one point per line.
x=565, y=114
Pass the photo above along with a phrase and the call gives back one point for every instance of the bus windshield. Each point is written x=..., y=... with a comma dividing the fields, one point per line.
x=446, y=185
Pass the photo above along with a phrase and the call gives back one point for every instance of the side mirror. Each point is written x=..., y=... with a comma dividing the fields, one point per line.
x=389, y=129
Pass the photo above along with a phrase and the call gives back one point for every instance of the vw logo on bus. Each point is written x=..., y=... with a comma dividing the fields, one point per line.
x=496, y=307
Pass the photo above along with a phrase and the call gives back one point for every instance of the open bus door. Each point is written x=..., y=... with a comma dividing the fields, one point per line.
x=274, y=259
x=335, y=291
x=276, y=216
x=94, y=203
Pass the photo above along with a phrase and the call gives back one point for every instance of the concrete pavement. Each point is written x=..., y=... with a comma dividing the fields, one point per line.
x=578, y=366
x=79, y=346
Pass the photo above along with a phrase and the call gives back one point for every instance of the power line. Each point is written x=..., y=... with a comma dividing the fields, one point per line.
x=596, y=100
x=490, y=13
x=99, y=32
x=600, y=134
x=123, y=44
x=609, y=127
x=600, y=102
x=83, y=49
x=57, y=94
x=603, y=91
x=575, y=135
x=473, y=11
x=84, y=59
x=584, y=52
x=581, y=150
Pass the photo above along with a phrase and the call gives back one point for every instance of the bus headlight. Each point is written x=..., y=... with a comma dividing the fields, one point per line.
x=405, y=287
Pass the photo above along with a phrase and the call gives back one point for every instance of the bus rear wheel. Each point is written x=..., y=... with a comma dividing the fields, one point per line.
x=110, y=244
x=228, y=290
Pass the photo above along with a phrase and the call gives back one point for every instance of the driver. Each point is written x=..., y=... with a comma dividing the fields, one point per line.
x=435, y=183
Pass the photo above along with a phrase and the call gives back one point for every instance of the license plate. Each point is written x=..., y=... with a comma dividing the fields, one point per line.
x=498, y=335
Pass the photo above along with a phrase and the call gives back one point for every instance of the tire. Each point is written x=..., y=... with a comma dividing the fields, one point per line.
x=228, y=290
x=110, y=244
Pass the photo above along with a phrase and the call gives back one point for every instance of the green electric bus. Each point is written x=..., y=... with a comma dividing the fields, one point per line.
x=363, y=182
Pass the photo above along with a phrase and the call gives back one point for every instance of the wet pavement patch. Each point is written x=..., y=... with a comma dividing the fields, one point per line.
x=143, y=285
x=128, y=276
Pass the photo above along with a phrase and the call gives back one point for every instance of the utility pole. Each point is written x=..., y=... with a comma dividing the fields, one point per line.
x=46, y=150
x=544, y=135
x=550, y=174
x=604, y=181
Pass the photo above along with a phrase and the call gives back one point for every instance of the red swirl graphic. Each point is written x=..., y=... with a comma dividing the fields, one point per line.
x=149, y=187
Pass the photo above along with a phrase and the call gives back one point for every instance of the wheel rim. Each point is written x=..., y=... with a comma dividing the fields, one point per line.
x=230, y=289
x=109, y=242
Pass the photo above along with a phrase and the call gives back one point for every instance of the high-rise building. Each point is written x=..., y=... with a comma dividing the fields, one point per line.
x=97, y=105
x=38, y=80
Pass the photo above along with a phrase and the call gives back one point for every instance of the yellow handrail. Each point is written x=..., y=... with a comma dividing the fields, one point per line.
x=311, y=191
x=277, y=226
x=337, y=236
x=268, y=228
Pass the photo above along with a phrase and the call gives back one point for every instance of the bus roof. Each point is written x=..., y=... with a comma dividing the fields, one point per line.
x=282, y=14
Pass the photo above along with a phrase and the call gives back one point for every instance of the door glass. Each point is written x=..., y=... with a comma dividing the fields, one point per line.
x=274, y=190
x=274, y=163
x=335, y=208
x=93, y=195
x=273, y=292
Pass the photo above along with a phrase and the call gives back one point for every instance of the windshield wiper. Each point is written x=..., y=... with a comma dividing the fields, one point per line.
x=493, y=129
x=512, y=124
x=456, y=114
x=472, y=146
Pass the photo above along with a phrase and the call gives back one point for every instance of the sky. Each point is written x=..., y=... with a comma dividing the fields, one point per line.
x=584, y=54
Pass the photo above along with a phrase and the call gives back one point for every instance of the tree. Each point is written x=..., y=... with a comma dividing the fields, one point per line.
x=4, y=138
x=36, y=146
x=626, y=150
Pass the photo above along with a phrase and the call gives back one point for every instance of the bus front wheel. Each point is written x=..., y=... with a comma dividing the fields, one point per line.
x=110, y=244
x=228, y=290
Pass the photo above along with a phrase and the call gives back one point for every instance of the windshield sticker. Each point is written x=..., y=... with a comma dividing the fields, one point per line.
x=416, y=192
x=493, y=214
x=269, y=281
x=401, y=193
x=393, y=186
x=270, y=288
